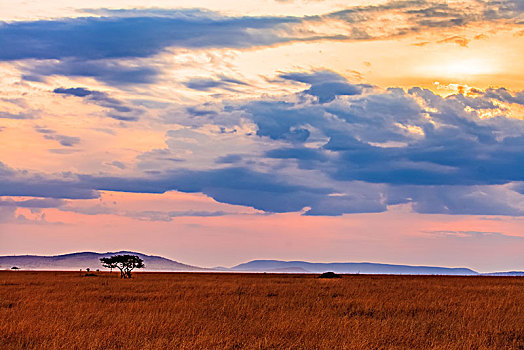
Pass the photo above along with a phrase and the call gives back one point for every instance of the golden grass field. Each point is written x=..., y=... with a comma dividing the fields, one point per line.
x=66, y=310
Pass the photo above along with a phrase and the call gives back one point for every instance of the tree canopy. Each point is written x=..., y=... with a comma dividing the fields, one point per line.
x=125, y=263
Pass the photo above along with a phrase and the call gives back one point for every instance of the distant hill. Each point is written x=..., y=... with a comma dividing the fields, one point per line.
x=508, y=273
x=76, y=261
x=365, y=268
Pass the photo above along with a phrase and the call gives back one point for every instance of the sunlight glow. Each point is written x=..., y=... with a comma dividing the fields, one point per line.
x=469, y=67
x=463, y=67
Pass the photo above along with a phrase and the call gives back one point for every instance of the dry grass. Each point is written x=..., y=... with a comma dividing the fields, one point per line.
x=63, y=310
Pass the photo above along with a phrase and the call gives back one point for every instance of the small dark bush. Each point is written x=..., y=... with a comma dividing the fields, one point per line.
x=90, y=275
x=329, y=275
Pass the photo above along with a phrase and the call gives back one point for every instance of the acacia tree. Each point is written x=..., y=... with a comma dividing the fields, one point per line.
x=125, y=263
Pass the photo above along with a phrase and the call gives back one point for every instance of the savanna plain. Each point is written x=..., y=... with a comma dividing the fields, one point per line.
x=68, y=310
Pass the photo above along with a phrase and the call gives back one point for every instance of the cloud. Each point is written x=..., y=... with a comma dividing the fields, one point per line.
x=67, y=141
x=241, y=186
x=20, y=115
x=206, y=84
x=398, y=137
x=168, y=216
x=33, y=203
x=111, y=72
x=135, y=33
x=229, y=159
x=456, y=39
x=235, y=185
x=307, y=158
x=78, y=92
x=7, y=214
x=416, y=15
x=8, y=209
x=112, y=45
x=146, y=215
x=23, y=183
x=327, y=92
x=117, y=164
x=474, y=235
x=146, y=32
x=325, y=85
x=348, y=153
x=118, y=109
x=519, y=187
x=50, y=188
x=503, y=95
x=459, y=200
x=440, y=154
x=49, y=134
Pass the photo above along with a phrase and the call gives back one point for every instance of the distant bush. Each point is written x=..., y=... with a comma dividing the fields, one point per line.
x=329, y=275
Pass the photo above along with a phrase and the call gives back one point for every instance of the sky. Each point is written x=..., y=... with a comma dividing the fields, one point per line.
x=217, y=132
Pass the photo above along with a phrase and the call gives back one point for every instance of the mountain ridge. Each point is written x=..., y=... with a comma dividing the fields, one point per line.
x=364, y=267
x=83, y=260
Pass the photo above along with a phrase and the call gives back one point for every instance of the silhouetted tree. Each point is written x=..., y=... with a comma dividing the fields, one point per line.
x=109, y=263
x=125, y=263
